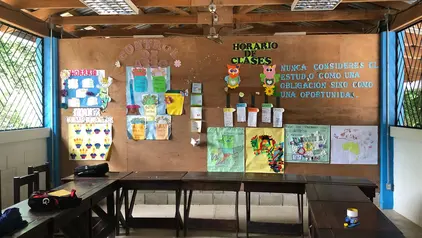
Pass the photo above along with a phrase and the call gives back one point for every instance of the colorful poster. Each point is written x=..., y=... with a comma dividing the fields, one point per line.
x=225, y=149
x=307, y=143
x=89, y=141
x=146, y=101
x=85, y=88
x=265, y=150
x=354, y=144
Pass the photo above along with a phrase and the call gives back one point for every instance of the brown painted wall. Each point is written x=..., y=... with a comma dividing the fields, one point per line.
x=205, y=61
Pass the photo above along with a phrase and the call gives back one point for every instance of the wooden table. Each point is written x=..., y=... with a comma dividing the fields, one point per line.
x=211, y=181
x=332, y=193
x=274, y=183
x=108, y=176
x=151, y=181
x=367, y=186
x=329, y=215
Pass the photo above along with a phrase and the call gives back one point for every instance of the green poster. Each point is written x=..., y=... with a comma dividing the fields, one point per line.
x=307, y=143
x=225, y=149
x=159, y=84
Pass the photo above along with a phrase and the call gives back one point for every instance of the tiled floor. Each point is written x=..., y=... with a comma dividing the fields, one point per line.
x=259, y=213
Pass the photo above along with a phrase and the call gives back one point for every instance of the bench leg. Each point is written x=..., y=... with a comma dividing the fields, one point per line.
x=248, y=212
x=237, y=213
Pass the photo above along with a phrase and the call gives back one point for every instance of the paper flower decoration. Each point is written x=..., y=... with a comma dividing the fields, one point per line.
x=106, y=82
x=64, y=93
x=65, y=74
x=117, y=64
x=269, y=91
x=177, y=63
x=241, y=94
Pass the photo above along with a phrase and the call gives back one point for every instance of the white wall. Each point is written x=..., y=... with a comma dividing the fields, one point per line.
x=18, y=150
x=408, y=173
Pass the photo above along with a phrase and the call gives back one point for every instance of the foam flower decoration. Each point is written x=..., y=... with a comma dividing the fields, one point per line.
x=64, y=93
x=65, y=74
x=177, y=63
x=117, y=64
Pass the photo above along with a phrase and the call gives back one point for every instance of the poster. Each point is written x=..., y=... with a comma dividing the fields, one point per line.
x=146, y=103
x=89, y=141
x=265, y=150
x=354, y=145
x=278, y=117
x=228, y=117
x=241, y=112
x=307, y=143
x=85, y=88
x=139, y=128
x=225, y=149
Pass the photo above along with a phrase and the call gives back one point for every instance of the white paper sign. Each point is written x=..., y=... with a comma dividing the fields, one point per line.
x=81, y=93
x=89, y=120
x=278, y=117
x=73, y=83
x=74, y=102
x=86, y=112
x=228, y=117
x=266, y=112
x=241, y=112
x=252, y=117
x=88, y=83
x=196, y=126
x=196, y=113
x=92, y=101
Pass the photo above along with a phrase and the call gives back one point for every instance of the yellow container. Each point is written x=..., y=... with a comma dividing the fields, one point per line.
x=174, y=103
x=138, y=131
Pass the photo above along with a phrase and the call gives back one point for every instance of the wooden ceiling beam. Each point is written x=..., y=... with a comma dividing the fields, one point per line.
x=407, y=18
x=21, y=20
x=45, y=13
x=288, y=16
x=177, y=11
x=247, y=9
x=28, y=4
x=131, y=32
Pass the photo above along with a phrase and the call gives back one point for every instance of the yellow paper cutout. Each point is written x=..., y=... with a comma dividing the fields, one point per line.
x=138, y=131
x=174, y=103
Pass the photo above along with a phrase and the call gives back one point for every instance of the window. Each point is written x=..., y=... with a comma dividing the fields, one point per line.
x=409, y=76
x=21, y=79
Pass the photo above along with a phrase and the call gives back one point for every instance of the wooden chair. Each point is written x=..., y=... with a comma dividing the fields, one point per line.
x=33, y=182
x=40, y=169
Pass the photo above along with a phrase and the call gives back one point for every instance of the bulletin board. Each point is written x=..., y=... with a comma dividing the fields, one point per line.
x=204, y=61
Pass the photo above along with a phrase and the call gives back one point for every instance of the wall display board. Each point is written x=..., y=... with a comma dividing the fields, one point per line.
x=225, y=149
x=324, y=80
x=265, y=150
x=307, y=143
x=354, y=144
x=146, y=105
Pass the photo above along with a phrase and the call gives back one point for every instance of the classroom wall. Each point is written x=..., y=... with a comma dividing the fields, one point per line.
x=18, y=150
x=205, y=61
x=407, y=170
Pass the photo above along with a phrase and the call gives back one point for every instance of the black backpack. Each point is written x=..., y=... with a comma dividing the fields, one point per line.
x=41, y=201
x=98, y=170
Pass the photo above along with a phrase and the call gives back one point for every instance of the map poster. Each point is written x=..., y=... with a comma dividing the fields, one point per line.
x=265, y=150
x=225, y=149
x=307, y=143
x=354, y=145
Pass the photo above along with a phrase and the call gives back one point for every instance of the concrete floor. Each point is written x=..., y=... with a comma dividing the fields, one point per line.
x=259, y=213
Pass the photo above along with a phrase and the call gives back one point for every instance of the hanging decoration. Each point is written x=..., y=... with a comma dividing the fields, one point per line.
x=233, y=79
x=177, y=63
x=269, y=78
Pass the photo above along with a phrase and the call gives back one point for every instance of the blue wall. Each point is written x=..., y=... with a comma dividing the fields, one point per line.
x=52, y=105
x=387, y=116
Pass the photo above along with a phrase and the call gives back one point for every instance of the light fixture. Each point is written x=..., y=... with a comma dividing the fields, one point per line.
x=66, y=14
x=112, y=7
x=314, y=5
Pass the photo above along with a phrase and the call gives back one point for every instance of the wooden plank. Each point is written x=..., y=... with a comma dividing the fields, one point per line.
x=225, y=16
x=159, y=3
x=246, y=9
x=131, y=32
x=23, y=21
x=45, y=13
x=407, y=18
x=124, y=20
x=288, y=16
x=177, y=11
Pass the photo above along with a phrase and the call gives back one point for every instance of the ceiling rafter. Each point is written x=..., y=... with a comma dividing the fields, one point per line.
x=177, y=11
x=407, y=17
x=28, y=4
x=247, y=9
x=337, y=15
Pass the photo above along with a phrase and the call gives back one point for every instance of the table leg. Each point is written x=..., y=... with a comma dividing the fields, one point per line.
x=132, y=203
x=185, y=213
x=110, y=205
x=118, y=207
x=301, y=214
x=126, y=195
x=177, y=215
x=237, y=213
x=248, y=212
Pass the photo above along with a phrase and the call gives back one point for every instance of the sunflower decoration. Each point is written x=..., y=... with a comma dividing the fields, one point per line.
x=269, y=91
